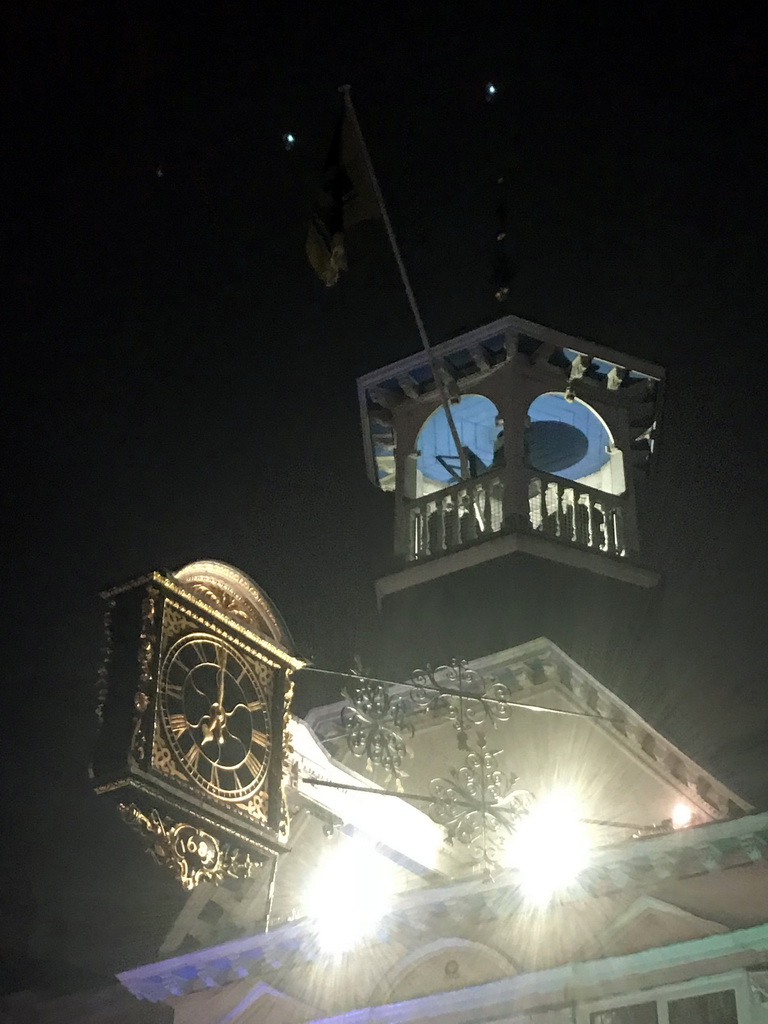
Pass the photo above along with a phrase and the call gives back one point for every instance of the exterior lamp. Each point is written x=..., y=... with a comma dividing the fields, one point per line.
x=348, y=894
x=549, y=847
x=682, y=816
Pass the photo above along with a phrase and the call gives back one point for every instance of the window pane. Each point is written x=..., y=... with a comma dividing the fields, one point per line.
x=715, y=1008
x=639, y=1013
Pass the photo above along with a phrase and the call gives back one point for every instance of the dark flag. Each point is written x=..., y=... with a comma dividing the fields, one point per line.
x=347, y=197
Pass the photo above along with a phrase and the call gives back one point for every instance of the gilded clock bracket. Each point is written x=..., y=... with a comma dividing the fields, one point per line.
x=190, y=853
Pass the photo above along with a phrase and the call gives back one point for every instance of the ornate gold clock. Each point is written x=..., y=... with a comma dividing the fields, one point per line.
x=214, y=709
x=193, y=699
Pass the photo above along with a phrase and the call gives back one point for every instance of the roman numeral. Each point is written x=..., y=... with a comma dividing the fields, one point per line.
x=172, y=690
x=253, y=764
x=202, y=652
x=259, y=739
x=193, y=757
x=255, y=705
x=215, y=776
x=177, y=724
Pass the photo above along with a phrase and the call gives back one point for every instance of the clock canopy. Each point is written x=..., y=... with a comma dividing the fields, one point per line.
x=232, y=592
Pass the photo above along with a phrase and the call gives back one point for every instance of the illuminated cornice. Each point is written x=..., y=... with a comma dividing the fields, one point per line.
x=518, y=994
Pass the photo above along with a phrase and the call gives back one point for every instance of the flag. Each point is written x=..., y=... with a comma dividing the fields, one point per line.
x=347, y=197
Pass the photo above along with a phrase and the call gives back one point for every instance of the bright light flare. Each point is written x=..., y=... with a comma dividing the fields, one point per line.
x=682, y=816
x=348, y=894
x=549, y=847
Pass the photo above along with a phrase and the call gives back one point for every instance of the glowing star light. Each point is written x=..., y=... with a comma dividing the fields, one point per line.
x=549, y=848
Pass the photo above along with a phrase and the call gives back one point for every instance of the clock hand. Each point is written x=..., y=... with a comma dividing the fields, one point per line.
x=228, y=714
x=221, y=657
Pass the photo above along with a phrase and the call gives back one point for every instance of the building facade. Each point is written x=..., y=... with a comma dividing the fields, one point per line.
x=659, y=924
x=501, y=838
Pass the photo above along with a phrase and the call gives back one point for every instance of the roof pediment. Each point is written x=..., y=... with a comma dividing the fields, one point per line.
x=648, y=922
x=565, y=728
x=539, y=672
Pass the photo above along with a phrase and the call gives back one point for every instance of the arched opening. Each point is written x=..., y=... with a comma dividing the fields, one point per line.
x=567, y=438
x=437, y=462
x=450, y=513
x=442, y=966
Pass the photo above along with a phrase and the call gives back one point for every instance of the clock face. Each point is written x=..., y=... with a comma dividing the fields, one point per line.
x=214, y=711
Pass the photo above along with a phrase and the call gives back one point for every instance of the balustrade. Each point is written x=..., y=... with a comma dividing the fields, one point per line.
x=577, y=514
x=472, y=510
x=455, y=517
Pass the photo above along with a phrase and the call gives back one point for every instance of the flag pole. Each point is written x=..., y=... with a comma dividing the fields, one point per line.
x=444, y=398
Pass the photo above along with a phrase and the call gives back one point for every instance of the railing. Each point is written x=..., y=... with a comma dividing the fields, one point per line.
x=456, y=517
x=576, y=514
x=472, y=510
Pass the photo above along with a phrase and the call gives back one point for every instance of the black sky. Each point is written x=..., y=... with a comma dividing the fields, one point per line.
x=178, y=385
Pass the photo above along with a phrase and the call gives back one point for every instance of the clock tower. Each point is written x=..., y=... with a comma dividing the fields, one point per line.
x=537, y=520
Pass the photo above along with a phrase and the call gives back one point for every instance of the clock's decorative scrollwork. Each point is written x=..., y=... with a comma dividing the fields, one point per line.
x=192, y=854
x=102, y=680
x=142, y=697
x=163, y=760
x=225, y=588
x=289, y=760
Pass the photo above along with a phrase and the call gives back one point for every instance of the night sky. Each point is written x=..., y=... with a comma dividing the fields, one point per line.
x=179, y=385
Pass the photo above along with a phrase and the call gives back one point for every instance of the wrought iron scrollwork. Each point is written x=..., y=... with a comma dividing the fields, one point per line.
x=463, y=694
x=375, y=724
x=478, y=806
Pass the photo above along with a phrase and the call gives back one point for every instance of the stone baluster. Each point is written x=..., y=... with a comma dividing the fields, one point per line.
x=414, y=538
x=536, y=503
x=415, y=532
x=469, y=516
x=568, y=513
x=583, y=526
x=618, y=531
x=436, y=528
x=552, y=507
x=451, y=515
x=496, y=501
x=597, y=526
x=441, y=525
x=483, y=500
